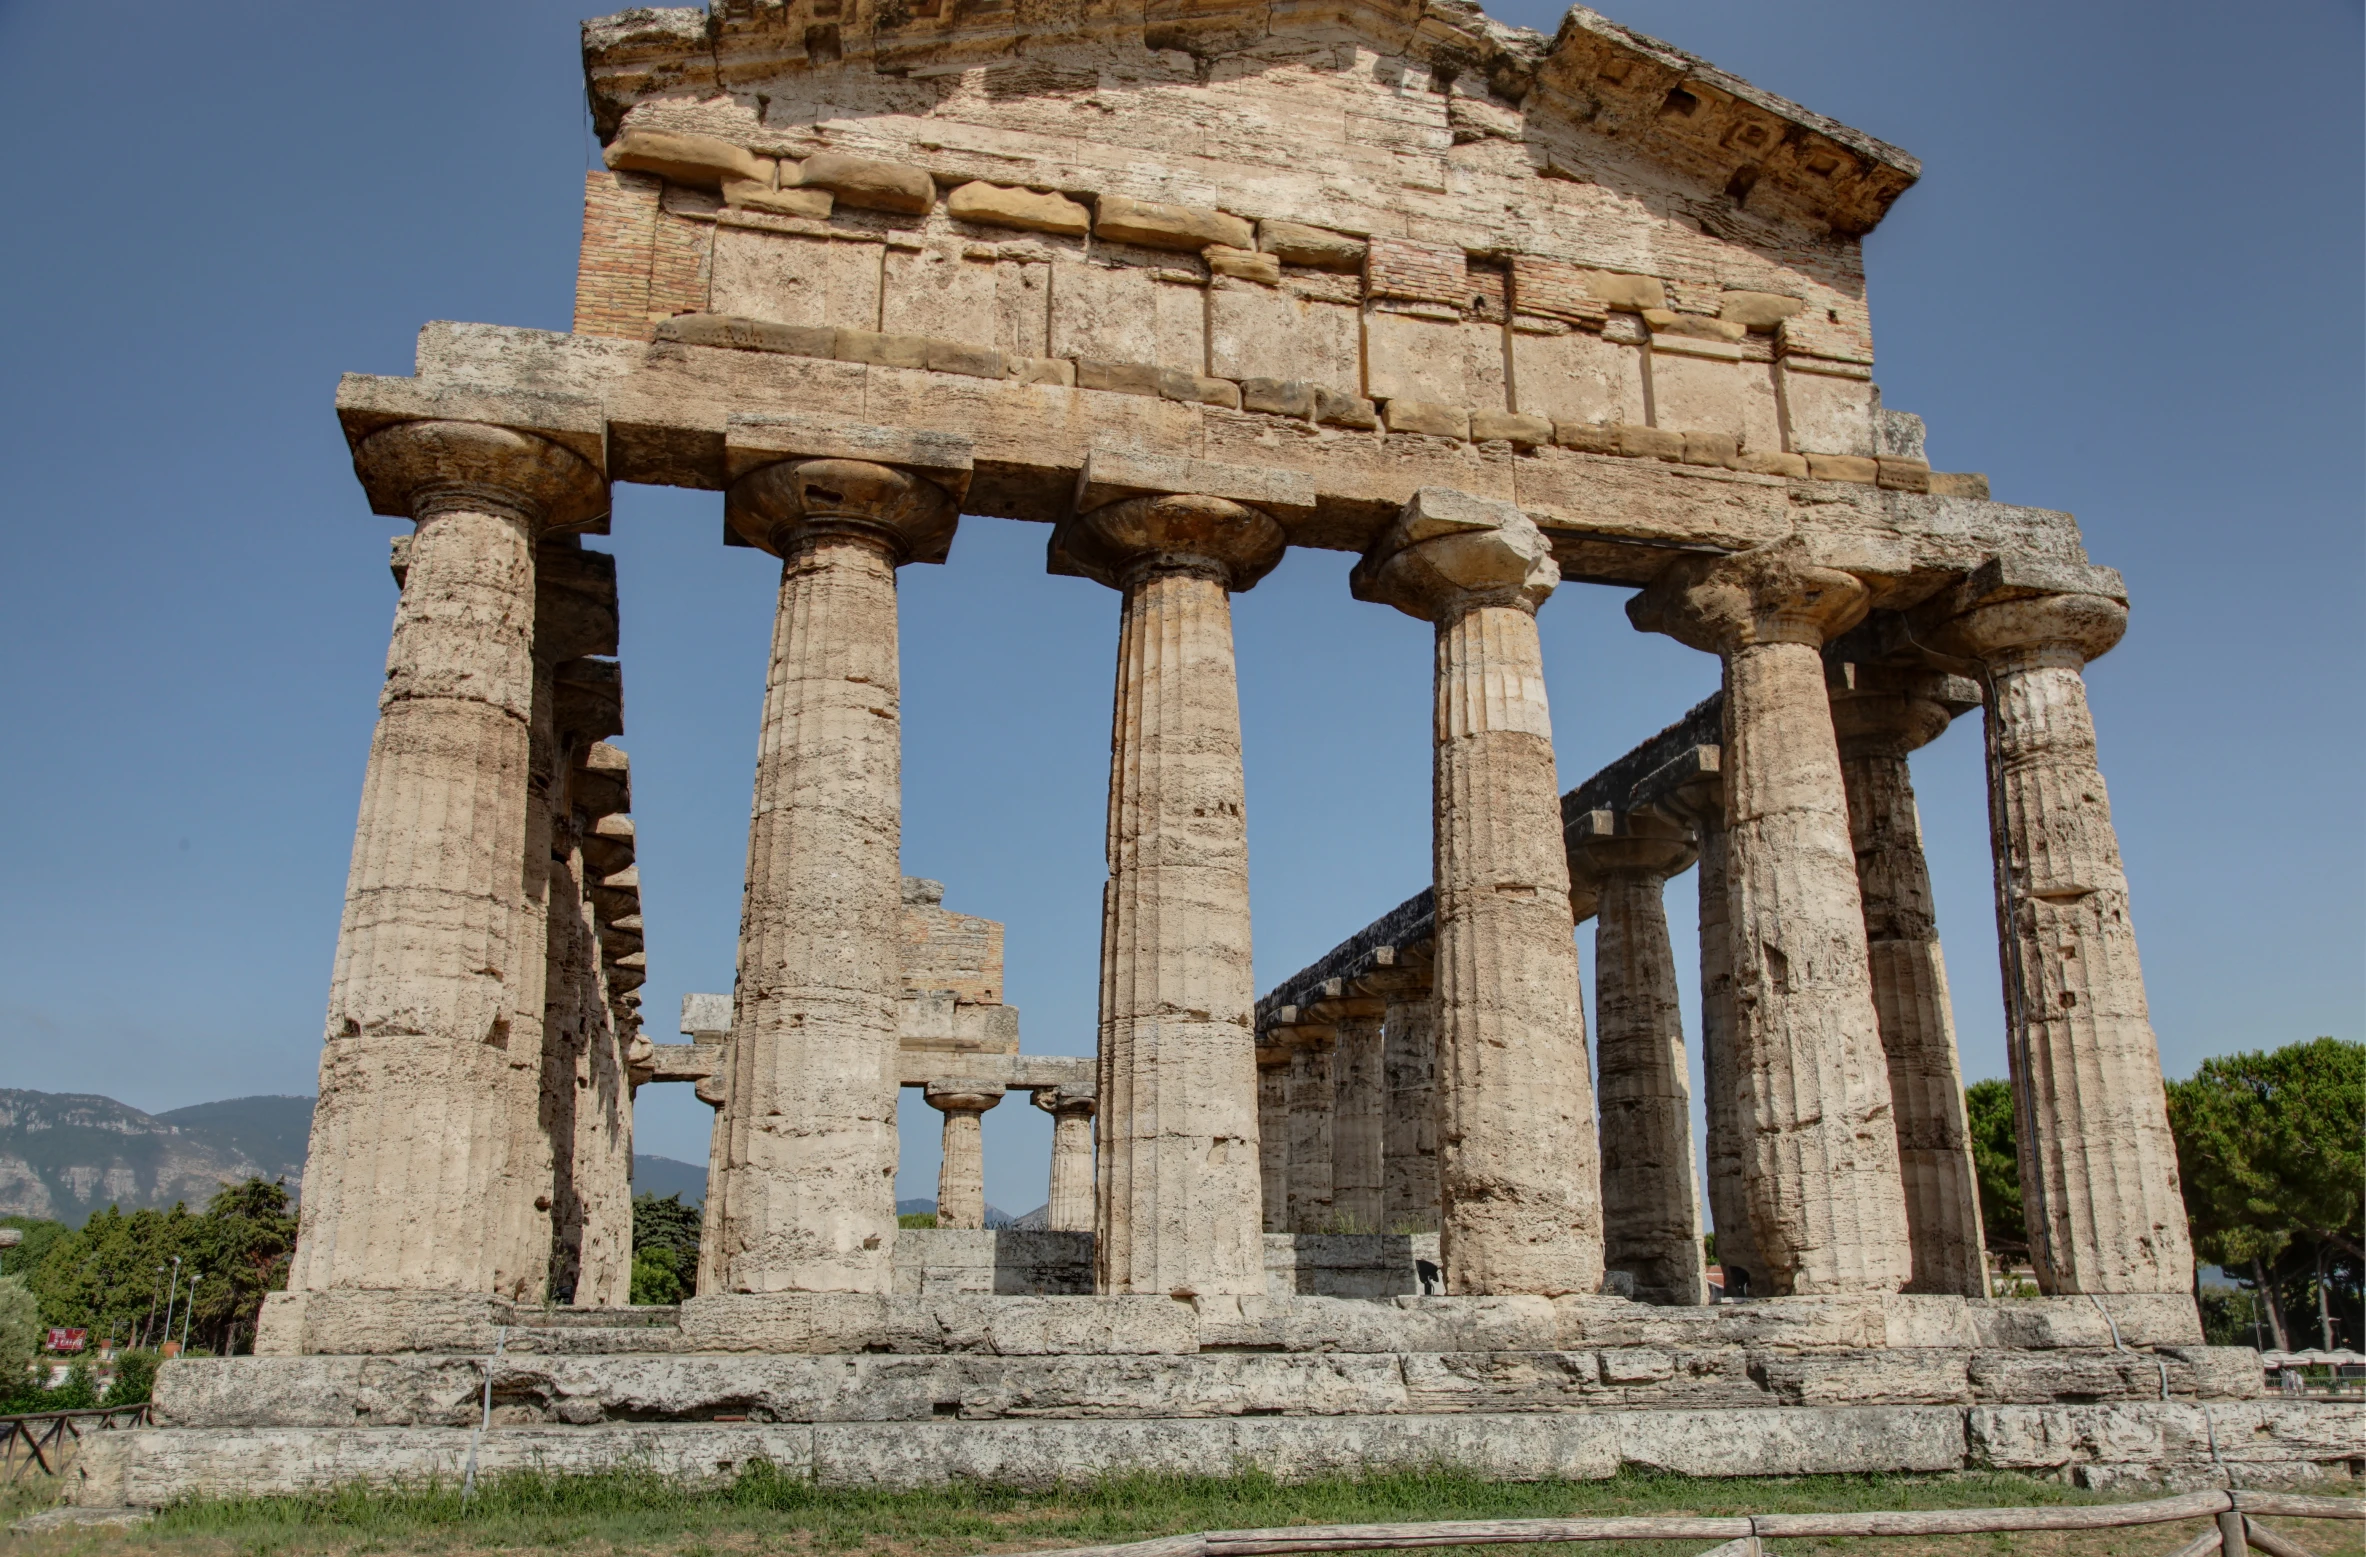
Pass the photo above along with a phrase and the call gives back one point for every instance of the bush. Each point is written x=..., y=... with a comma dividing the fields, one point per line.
x=135, y=1380
x=658, y=1275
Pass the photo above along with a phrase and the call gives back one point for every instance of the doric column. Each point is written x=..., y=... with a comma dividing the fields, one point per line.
x=961, y=1179
x=2099, y=1179
x=1359, y=1110
x=1880, y=713
x=1409, y=1060
x=808, y=1171
x=1518, y=1169
x=1651, y=1215
x=1699, y=801
x=1273, y=1136
x=410, y=1140
x=1179, y=1191
x=1826, y=1209
x=1069, y=1208
x=1313, y=1099
x=586, y=1092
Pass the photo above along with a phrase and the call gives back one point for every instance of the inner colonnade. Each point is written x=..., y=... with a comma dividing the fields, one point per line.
x=1431, y=1074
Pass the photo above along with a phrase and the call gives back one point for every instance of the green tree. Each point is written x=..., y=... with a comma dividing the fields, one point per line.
x=39, y=1234
x=1996, y=1165
x=665, y=1249
x=247, y=1239
x=2270, y=1149
x=116, y=1276
x=20, y=1340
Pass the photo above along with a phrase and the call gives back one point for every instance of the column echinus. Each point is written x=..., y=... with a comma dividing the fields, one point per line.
x=1651, y=1213
x=1827, y=1212
x=1881, y=713
x=410, y=1140
x=806, y=1179
x=2099, y=1174
x=1178, y=1194
x=1517, y=1161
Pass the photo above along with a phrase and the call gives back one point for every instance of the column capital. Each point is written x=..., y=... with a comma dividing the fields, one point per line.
x=425, y=468
x=1230, y=542
x=1603, y=844
x=1776, y=593
x=1891, y=710
x=776, y=507
x=962, y=1097
x=1448, y=552
x=1064, y=1102
x=2014, y=610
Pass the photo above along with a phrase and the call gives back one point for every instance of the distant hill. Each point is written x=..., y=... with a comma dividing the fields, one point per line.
x=995, y=1215
x=663, y=1176
x=64, y=1155
x=274, y=1130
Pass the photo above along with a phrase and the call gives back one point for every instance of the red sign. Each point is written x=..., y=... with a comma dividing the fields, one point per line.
x=67, y=1340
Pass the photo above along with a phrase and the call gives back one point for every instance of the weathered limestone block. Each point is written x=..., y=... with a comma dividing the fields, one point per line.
x=2098, y=1165
x=861, y=181
x=1409, y=1156
x=1827, y=407
x=1105, y=312
x=1069, y=1207
x=1789, y=1441
x=1867, y=1378
x=1023, y=320
x=1425, y=416
x=1243, y=265
x=1294, y=243
x=1034, y=211
x=1267, y=332
x=1518, y=1168
x=946, y=1262
x=1312, y=1093
x=1359, y=1108
x=1651, y=1219
x=1879, y=715
x=796, y=280
x=1708, y=386
x=431, y=1016
x=1411, y=356
x=811, y=204
x=1178, y=1185
x=1373, y=1266
x=937, y=291
x=1757, y=310
x=961, y=1176
x=807, y=1198
x=1158, y=226
x=1826, y=1209
x=687, y=159
x=1512, y=427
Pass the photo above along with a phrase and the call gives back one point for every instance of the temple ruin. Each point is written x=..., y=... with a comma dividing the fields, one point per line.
x=1487, y=314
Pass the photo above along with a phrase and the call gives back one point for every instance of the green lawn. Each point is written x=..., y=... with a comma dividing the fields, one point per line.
x=637, y=1515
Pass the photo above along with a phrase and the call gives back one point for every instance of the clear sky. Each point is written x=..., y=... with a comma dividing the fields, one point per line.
x=2128, y=286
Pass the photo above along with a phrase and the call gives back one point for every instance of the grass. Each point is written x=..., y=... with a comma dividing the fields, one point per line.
x=640, y=1514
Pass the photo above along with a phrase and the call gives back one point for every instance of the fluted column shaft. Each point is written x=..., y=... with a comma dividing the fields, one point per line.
x=1727, y=1151
x=2099, y=1179
x=1179, y=1188
x=961, y=1175
x=1651, y=1223
x=1827, y=1211
x=1879, y=723
x=1314, y=1099
x=1273, y=1144
x=1409, y=1155
x=811, y=1101
x=411, y=1138
x=810, y=1107
x=1360, y=1091
x=1518, y=1168
x=1069, y=1207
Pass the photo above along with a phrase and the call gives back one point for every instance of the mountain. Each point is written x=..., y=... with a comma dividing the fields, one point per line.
x=64, y=1155
x=995, y=1215
x=663, y=1176
x=274, y=1130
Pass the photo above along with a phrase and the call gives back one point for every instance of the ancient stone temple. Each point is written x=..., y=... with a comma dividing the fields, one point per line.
x=1486, y=315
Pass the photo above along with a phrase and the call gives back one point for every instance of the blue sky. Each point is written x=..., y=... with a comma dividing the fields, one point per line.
x=2128, y=286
